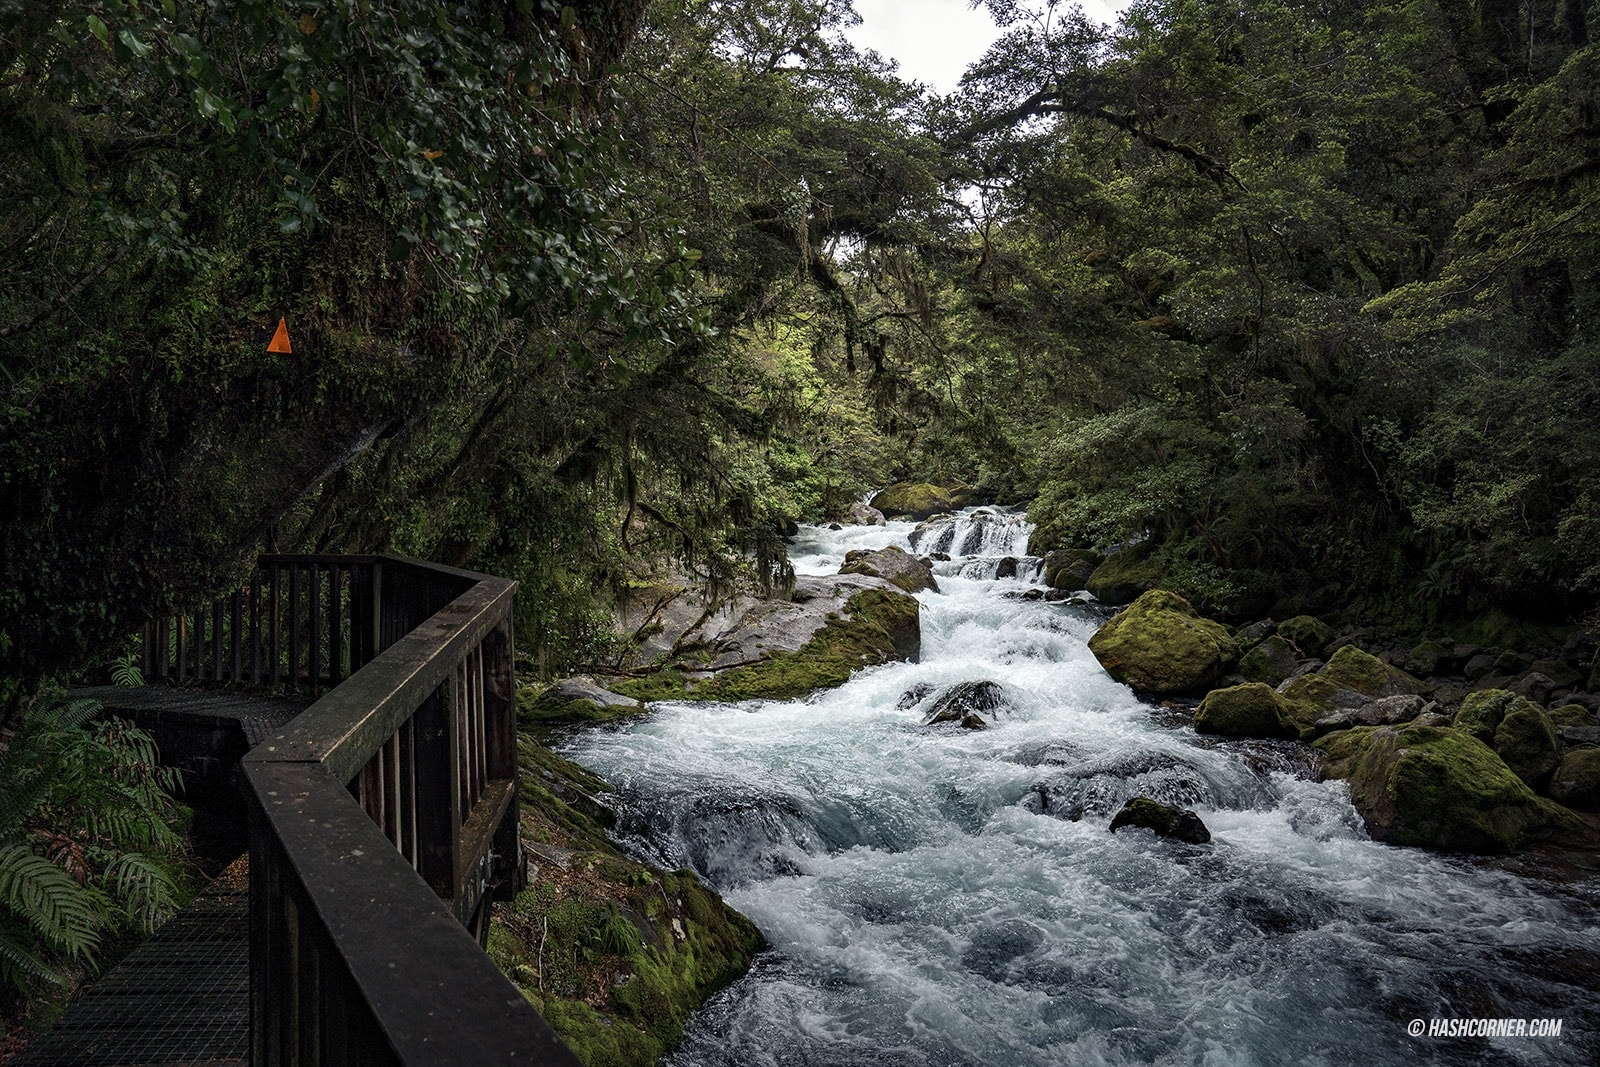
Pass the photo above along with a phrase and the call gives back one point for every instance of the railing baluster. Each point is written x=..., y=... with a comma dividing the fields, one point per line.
x=294, y=625
x=314, y=616
x=335, y=623
x=274, y=633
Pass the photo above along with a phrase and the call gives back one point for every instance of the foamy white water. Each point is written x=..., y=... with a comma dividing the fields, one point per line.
x=945, y=897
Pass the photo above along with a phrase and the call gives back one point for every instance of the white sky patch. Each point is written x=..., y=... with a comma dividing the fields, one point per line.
x=935, y=40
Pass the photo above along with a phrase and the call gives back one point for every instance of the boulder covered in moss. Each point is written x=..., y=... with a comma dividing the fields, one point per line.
x=1159, y=646
x=1307, y=633
x=1572, y=715
x=1272, y=660
x=1576, y=783
x=1482, y=712
x=833, y=626
x=1250, y=710
x=1350, y=679
x=616, y=955
x=1438, y=787
x=894, y=565
x=576, y=699
x=1167, y=821
x=916, y=500
x=1124, y=575
x=1526, y=740
x=1069, y=568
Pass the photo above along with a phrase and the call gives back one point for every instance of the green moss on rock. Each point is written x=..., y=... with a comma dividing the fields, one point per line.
x=1250, y=710
x=1272, y=661
x=1124, y=576
x=1576, y=782
x=1070, y=568
x=878, y=626
x=1482, y=712
x=1438, y=787
x=1572, y=715
x=1526, y=740
x=919, y=500
x=894, y=565
x=1159, y=646
x=1349, y=676
x=614, y=954
x=1166, y=820
x=1307, y=633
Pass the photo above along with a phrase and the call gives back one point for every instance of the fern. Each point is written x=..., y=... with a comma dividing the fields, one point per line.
x=126, y=672
x=87, y=846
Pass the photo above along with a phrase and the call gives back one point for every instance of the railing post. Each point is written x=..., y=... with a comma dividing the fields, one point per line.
x=439, y=790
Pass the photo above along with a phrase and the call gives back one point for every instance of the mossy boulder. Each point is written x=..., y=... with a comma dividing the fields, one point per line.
x=1426, y=657
x=1273, y=661
x=1124, y=575
x=1159, y=646
x=1576, y=783
x=1070, y=568
x=616, y=955
x=1482, y=712
x=875, y=625
x=1250, y=710
x=894, y=565
x=1438, y=787
x=1349, y=679
x=1526, y=740
x=1307, y=633
x=917, y=500
x=1572, y=715
x=1167, y=821
x=576, y=699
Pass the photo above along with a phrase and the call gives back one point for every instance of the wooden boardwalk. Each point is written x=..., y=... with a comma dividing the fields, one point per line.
x=182, y=997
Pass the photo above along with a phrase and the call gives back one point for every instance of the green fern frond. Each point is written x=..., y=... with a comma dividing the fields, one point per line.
x=19, y=964
x=126, y=672
x=64, y=915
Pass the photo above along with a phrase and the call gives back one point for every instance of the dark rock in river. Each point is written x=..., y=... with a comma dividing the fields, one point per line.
x=966, y=704
x=1253, y=709
x=1167, y=821
x=1272, y=661
x=1576, y=782
x=918, y=500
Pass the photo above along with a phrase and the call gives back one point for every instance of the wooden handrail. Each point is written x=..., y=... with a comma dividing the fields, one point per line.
x=382, y=821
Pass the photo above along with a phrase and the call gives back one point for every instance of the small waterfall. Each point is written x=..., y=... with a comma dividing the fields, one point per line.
x=974, y=532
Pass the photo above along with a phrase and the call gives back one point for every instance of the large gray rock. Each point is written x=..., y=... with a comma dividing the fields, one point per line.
x=674, y=626
x=864, y=514
x=892, y=564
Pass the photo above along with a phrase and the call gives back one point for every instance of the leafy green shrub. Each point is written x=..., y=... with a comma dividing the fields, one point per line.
x=87, y=845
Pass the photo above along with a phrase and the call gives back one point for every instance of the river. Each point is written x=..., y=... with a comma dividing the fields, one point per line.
x=937, y=896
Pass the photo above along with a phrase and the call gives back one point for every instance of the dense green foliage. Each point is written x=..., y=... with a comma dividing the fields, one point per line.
x=88, y=845
x=1302, y=294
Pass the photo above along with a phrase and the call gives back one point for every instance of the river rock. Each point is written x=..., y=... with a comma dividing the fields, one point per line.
x=1527, y=742
x=749, y=647
x=1482, y=712
x=1272, y=661
x=1167, y=821
x=917, y=500
x=1437, y=788
x=1350, y=679
x=1426, y=658
x=1385, y=711
x=1124, y=575
x=1572, y=715
x=1576, y=782
x=892, y=564
x=1307, y=633
x=970, y=705
x=1253, y=633
x=864, y=514
x=577, y=699
x=1250, y=710
x=1159, y=646
x=1069, y=568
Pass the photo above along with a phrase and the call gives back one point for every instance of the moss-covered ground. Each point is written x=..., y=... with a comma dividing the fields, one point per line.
x=614, y=954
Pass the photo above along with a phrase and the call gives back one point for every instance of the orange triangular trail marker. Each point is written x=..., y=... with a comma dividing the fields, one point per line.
x=280, y=339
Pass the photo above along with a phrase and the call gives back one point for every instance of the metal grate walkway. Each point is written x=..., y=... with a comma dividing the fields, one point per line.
x=182, y=997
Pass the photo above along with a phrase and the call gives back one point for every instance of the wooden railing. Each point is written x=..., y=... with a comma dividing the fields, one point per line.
x=384, y=818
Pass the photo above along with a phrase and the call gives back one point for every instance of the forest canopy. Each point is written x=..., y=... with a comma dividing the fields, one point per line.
x=1299, y=295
